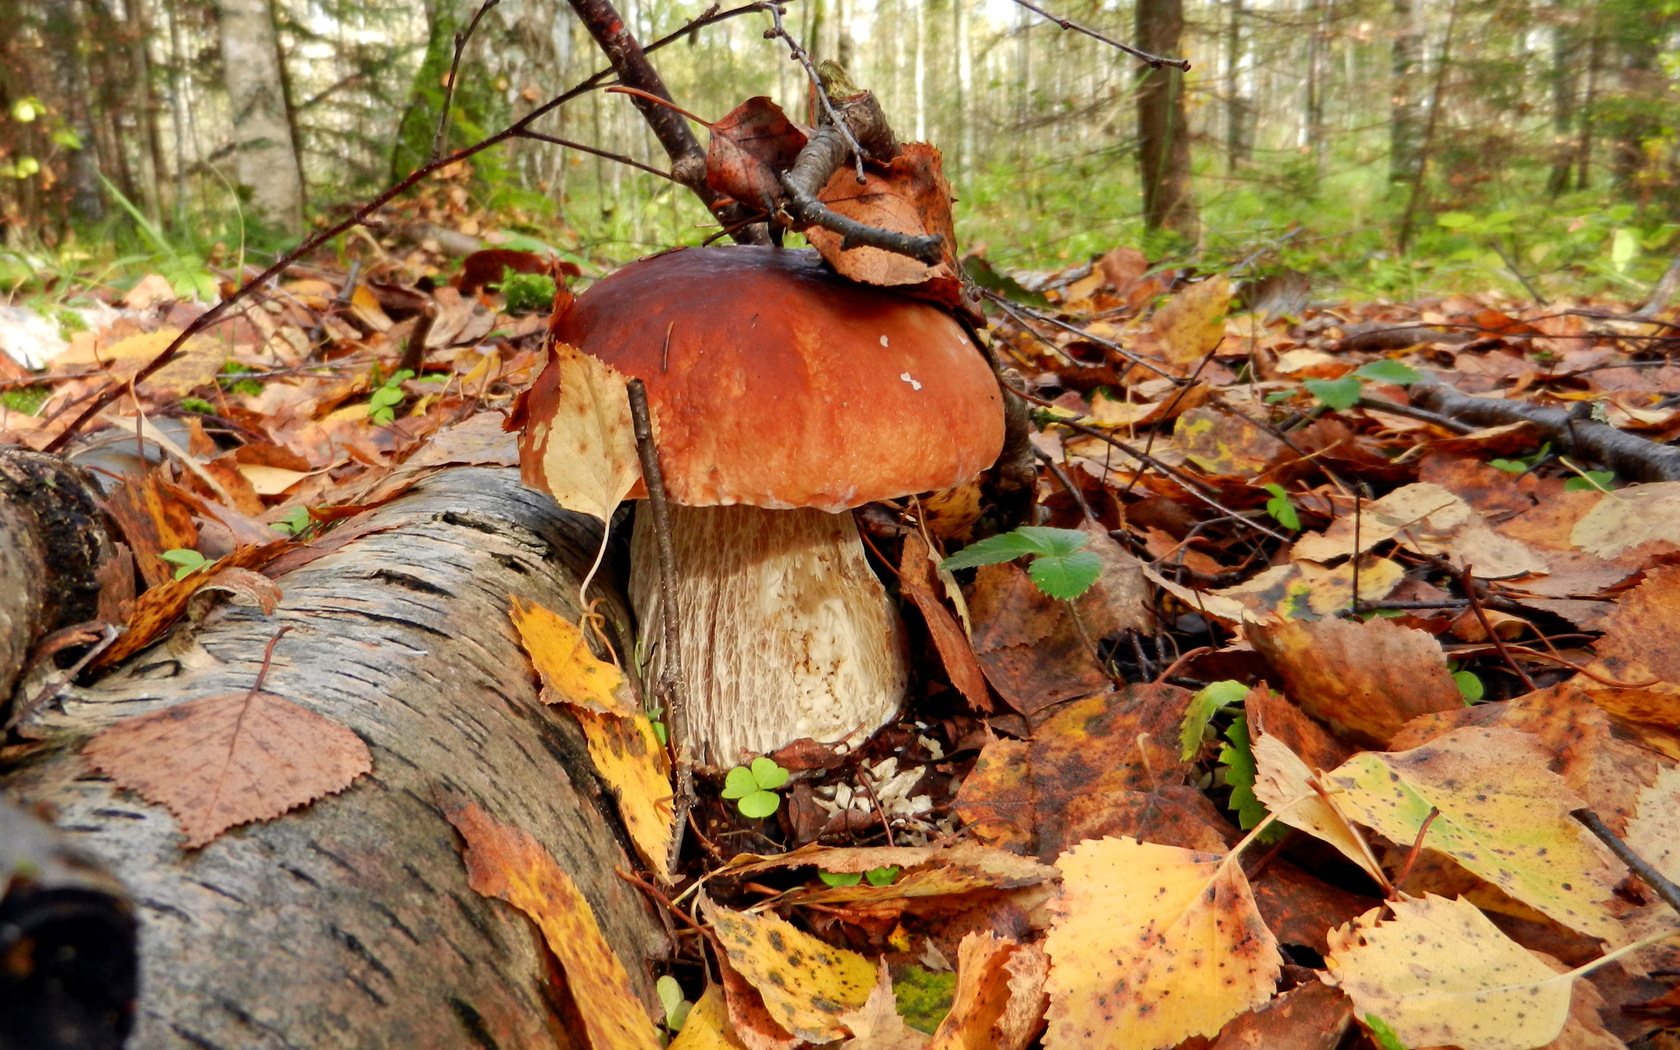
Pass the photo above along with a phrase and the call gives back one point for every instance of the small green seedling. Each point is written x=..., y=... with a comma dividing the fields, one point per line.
x=1237, y=758
x=296, y=522
x=1524, y=465
x=1342, y=394
x=1060, y=566
x=754, y=787
x=671, y=998
x=1590, y=480
x=877, y=876
x=1469, y=685
x=656, y=718
x=186, y=560
x=1282, y=508
x=382, y=405
x=1208, y=701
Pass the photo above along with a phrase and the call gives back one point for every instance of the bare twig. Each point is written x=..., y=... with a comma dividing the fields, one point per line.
x=620, y=158
x=1018, y=311
x=1664, y=887
x=803, y=57
x=440, y=139
x=1153, y=61
x=1493, y=637
x=669, y=689
x=807, y=209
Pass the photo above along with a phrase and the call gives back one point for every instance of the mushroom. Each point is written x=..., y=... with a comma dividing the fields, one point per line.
x=782, y=396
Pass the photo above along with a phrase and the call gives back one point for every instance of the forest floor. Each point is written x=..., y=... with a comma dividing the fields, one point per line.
x=1386, y=599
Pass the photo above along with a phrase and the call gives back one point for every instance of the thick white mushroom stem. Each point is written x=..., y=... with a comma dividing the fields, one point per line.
x=784, y=632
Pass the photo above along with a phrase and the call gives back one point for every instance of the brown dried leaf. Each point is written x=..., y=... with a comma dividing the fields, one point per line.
x=579, y=441
x=751, y=146
x=229, y=759
x=916, y=576
x=1192, y=323
x=509, y=864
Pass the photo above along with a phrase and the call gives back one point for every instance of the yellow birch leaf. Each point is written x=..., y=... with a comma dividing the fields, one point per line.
x=580, y=439
x=1150, y=945
x=708, y=1027
x=806, y=985
x=509, y=864
x=1441, y=973
x=1654, y=834
x=634, y=765
x=1192, y=322
x=1281, y=779
x=1504, y=815
x=570, y=673
x=197, y=363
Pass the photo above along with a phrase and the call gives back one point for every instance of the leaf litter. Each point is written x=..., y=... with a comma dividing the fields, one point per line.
x=1273, y=509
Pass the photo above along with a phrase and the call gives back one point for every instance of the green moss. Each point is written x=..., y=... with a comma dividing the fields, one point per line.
x=924, y=997
x=69, y=323
x=27, y=400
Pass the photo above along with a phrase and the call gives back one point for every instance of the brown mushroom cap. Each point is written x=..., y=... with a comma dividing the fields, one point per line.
x=775, y=383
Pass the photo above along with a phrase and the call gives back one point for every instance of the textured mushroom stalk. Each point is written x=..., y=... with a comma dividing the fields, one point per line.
x=781, y=396
x=784, y=628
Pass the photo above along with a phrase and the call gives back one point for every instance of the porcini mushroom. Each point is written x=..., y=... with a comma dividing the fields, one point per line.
x=782, y=397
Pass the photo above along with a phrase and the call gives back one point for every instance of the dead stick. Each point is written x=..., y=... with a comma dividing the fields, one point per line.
x=670, y=688
x=1664, y=887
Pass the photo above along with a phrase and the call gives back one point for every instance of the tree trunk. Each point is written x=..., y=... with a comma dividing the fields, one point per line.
x=265, y=157
x=1565, y=78
x=1163, y=135
x=1405, y=150
x=1239, y=106
x=349, y=923
x=961, y=19
x=87, y=202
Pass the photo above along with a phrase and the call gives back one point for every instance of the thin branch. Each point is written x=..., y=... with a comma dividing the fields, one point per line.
x=1017, y=310
x=807, y=209
x=1664, y=887
x=803, y=57
x=628, y=162
x=440, y=140
x=1152, y=61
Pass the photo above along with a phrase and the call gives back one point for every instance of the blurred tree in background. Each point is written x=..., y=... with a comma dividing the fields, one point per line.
x=1487, y=135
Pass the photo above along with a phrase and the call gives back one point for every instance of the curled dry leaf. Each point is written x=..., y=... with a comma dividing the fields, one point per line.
x=579, y=440
x=1152, y=945
x=507, y=863
x=751, y=146
x=229, y=759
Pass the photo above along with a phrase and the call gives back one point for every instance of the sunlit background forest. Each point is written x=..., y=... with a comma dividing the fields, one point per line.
x=1389, y=147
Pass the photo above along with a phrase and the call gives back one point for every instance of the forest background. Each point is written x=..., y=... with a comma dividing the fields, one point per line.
x=1388, y=147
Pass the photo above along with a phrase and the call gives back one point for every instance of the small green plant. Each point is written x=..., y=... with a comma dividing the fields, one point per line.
x=1590, y=480
x=1523, y=465
x=1208, y=701
x=248, y=387
x=1282, y=508
x=382, y=405
x=296, y=522
x=1342, y=394
x=1061, y=567
x=27, y=400
x=754, y=787
x=877, y=876
x=1384, y=1035
x=671, y=998
x=527, y=293
x=1237, y=760
x=186, y=560
x=656, y=718
x=1469, y=684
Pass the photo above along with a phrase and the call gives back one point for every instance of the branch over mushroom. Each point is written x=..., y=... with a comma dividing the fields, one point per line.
x=782, y=396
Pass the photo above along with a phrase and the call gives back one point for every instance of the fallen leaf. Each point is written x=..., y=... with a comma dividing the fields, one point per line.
x=982, y=994
x=1427, y=519
x=1654, y=833
x=1367, y=678
x=806, y=984
x=916, y=576
x=198, y=361
x=579, y=441
x=1191, y=324
x=1286, y=786
x=508, y=864
x=570, y=673
x=707, y=1026
x=1502, y=814
x=1440, y=973
x=1151, y=945
x=751, y=146
x=876, y=1024
x=224, y=760
x=1311, y=1016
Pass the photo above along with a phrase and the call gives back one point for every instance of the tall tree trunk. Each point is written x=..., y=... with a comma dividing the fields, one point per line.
x=265, y=156
x=1437, y=98
x=62, y=30
x=153, y=167
x=1589, y=103
x=1406, y=115
x=1239, y=105
x=965, y=87
x=1163, y=135
x=1565, y=78
x=921, y=72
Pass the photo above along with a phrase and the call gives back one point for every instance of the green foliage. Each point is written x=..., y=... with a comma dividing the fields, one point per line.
x=527, y=293
x=1061, y=567
x=1208, y=701
x=296, y=523
x=186, y=560
x=754, y=787
x=1591, y=479
x=923, y=997
x=1342, y=394
x=1282, y=508
x=877, y=877
x=675, y=1004
x=27, y=400
x=1240, y=771
x=1383, y=1034
x=199, y=405
x=383, y=402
